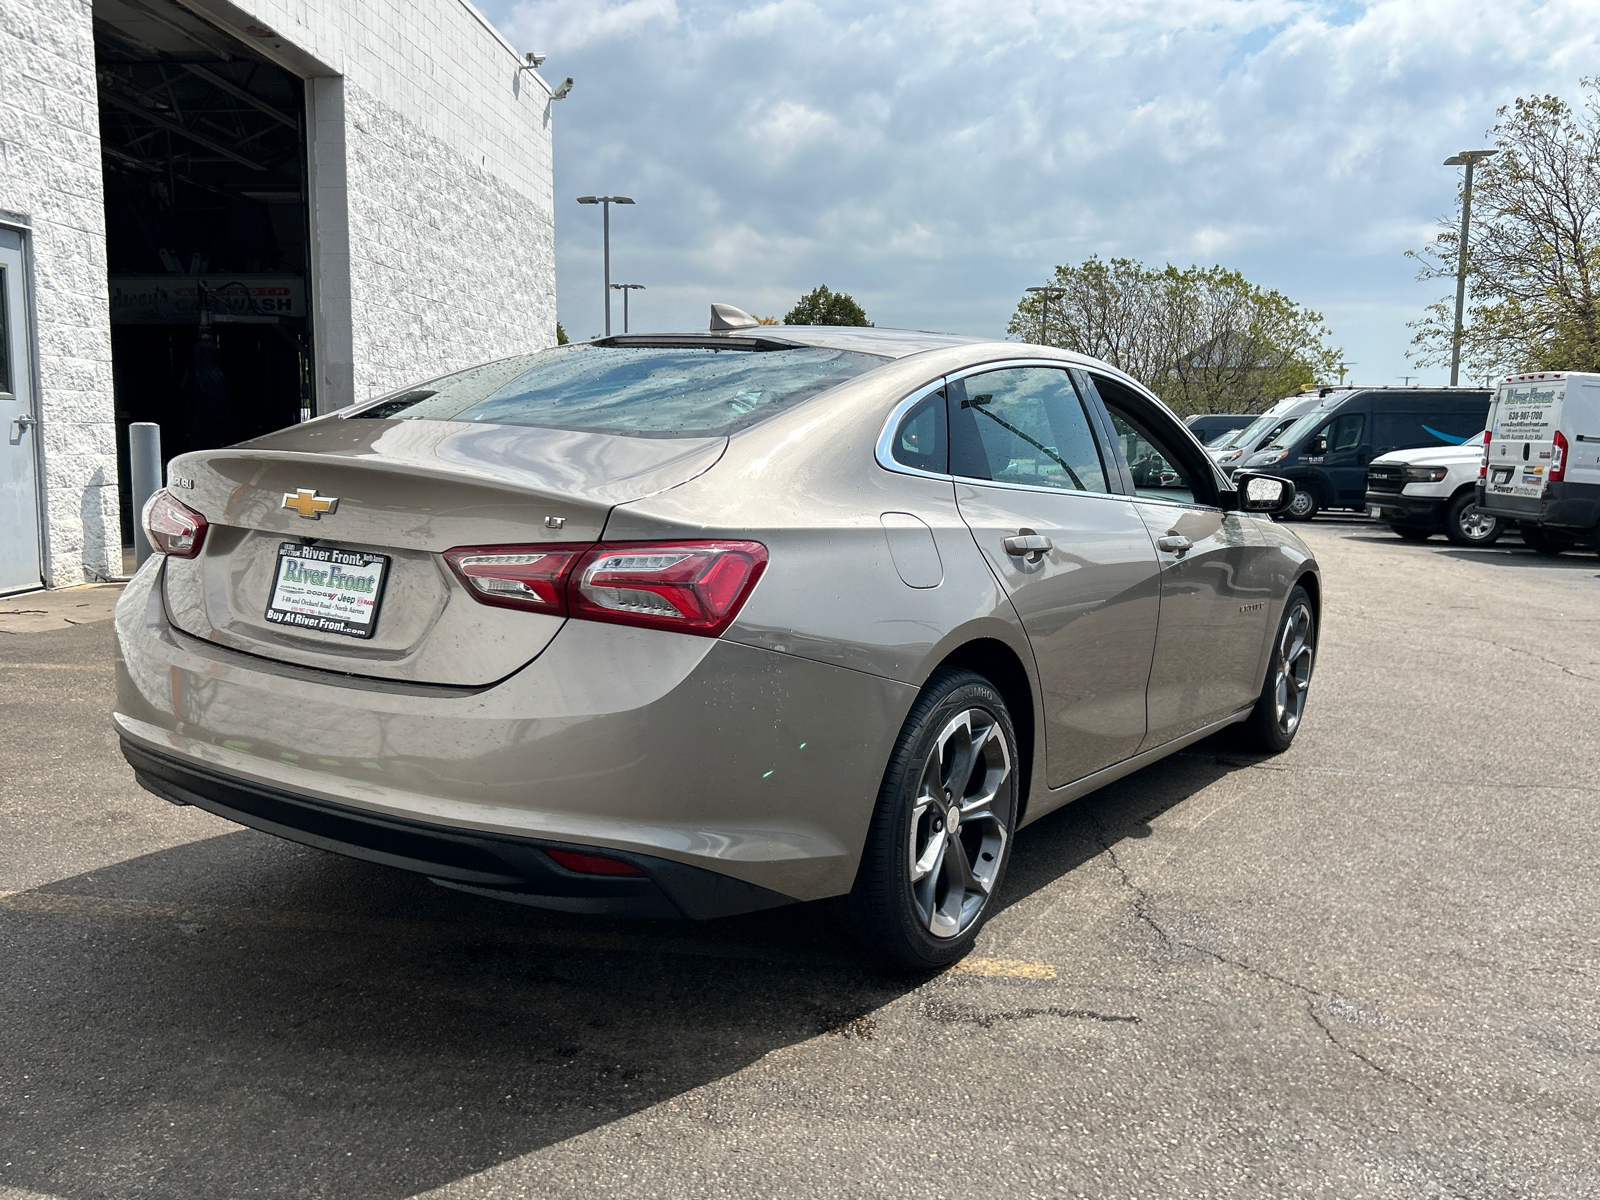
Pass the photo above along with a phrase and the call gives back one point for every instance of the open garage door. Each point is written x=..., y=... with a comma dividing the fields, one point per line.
x=207, y=231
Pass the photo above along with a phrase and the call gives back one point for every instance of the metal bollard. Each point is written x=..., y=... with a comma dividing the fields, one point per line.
x=144, y=465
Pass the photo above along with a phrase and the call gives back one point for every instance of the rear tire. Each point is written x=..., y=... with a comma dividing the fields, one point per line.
x=1469, y=525
x=1305, y=505
x=1412, y=533
x=1271, y=727
x=940, y=838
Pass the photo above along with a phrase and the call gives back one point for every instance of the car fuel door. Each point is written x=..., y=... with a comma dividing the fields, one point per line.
x=1073, y=557
x=1216, y=585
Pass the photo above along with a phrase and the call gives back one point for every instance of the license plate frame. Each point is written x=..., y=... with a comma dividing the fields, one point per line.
x=1502, y=475
x=315, y=602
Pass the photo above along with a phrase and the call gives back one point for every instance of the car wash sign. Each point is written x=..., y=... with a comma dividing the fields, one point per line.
x=177, y=299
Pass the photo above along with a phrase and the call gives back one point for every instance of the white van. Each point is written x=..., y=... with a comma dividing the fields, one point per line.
x=1541, y=460
x=1228, y=450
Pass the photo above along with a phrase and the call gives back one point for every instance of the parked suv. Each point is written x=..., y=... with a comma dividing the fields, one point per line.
x=1432, y=489
x=1326, y=451
x=1541, y=459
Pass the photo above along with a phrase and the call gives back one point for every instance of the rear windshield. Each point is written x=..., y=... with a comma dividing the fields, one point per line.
x=646, y=391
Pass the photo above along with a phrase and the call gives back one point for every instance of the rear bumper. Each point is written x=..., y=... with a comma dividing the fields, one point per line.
x=746, y=763
x=1573, y=507
x=1408, y=510
x=508, y=867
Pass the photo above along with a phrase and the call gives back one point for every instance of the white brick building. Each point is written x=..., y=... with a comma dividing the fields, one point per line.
x=217, y=214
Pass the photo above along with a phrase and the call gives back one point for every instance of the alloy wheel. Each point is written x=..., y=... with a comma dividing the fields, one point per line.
x=1295, y=653
x=1476, y=524
x=959, y=823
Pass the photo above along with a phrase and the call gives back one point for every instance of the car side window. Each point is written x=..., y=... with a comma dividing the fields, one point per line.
x=1342, y=433
x=1023, y=425
x=1156, y=471
x=921, y=439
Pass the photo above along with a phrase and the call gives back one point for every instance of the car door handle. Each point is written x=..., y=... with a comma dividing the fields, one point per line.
x=1031, y=546
x=1174, y=543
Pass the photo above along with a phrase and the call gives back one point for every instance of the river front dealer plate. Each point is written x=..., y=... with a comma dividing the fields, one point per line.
x=326, y=589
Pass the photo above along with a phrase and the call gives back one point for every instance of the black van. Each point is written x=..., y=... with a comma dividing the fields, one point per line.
x=1326, y=452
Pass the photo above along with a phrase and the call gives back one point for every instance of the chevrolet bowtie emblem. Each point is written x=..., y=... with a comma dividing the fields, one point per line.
x=308, y=504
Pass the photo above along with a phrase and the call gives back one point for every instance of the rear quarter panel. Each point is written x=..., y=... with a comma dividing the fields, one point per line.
x=807, y=485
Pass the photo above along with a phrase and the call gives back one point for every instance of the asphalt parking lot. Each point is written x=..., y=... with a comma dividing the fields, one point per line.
x=1367, y=968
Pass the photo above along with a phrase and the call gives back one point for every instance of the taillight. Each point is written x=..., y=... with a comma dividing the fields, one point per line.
x=690, y=587
x=1558, y=459
x=172, y=527
x=528, y=577
x=592, y=864
x=1483, y=465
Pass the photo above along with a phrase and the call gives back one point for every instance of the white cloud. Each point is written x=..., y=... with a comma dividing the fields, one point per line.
x=939, y=156
x=576, y=27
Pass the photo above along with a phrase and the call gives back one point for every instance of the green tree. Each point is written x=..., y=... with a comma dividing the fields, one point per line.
x=1533, y=258
x=561, y=335
x=1204, y=339
x=822, y=307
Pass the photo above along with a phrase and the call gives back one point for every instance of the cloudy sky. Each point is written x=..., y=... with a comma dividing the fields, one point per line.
x=934, y=159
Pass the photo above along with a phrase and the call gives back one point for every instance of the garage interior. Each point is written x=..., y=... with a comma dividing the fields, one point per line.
x=207, y=231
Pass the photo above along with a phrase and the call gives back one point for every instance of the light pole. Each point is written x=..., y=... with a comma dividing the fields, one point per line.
x=1044, y=325
x=625, y=288
x=605, y=203
x=1467, y=159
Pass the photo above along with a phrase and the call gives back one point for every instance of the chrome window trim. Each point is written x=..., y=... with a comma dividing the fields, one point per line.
x=884, y=451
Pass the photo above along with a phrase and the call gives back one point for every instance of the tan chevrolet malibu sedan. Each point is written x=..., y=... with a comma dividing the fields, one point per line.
x=698, y=624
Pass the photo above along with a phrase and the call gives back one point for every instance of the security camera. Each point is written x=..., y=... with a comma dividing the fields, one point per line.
x=534, y=60
x=561, y=92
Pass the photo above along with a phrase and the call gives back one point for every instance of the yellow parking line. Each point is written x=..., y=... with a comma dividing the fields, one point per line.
x=1004, y=968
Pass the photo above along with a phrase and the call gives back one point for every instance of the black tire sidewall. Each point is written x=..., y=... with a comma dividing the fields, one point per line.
x=1260, y=731
x=880, y=905
x=1309, y=490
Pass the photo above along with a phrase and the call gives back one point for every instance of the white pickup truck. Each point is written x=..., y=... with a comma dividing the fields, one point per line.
x=1432, y=489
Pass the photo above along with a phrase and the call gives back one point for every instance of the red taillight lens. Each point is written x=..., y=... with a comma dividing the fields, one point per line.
x=172, y=527
x=1483, y=466
x=690, y=587
x=592, y=864
x=529, y=577
x=1558, y=459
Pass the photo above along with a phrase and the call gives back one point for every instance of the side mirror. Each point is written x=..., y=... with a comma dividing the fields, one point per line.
x=1263, y=493
x=1317, y=445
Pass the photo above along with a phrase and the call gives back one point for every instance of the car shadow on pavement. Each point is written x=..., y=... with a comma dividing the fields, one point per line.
x=1062, y=841
x=242, y=1014
x=1576, y=561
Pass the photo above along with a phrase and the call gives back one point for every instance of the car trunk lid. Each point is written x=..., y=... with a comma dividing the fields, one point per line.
x=397, y=493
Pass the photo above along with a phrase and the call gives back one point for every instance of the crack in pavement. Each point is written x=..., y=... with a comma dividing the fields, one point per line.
x=1141, y=910
x=949, y=1014
x=1549, y=662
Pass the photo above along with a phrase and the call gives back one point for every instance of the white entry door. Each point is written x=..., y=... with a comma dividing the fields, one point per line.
x=19, y=428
